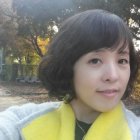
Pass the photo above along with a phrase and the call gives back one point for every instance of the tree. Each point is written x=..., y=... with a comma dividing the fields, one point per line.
x=38, y=18
x=135, y=16
x=129, y=10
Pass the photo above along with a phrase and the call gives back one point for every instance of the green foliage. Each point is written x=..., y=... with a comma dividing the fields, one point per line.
x=127, y=9
x=36, y=18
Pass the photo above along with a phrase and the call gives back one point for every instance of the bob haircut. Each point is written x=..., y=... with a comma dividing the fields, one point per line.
x=82, y=33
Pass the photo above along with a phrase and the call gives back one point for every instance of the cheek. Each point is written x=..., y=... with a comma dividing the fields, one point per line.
x=124, y=79
x=85, y=80
x=127, y=75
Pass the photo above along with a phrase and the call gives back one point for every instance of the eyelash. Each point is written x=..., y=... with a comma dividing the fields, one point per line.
x=123, y=61
x=96, y=61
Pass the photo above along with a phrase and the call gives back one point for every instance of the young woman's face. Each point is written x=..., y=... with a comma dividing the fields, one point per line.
x=101, y=77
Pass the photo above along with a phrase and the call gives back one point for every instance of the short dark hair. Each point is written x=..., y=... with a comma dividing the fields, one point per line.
x=82, y=33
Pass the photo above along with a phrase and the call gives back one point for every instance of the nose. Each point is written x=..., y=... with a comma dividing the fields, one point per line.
x=111, y=73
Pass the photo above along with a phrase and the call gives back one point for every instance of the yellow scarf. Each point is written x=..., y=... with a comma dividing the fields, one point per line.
x=60, y=125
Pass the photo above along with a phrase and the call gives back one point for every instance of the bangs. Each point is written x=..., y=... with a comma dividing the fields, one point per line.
x=106, y=32
x=90, y=31
x=102, y=30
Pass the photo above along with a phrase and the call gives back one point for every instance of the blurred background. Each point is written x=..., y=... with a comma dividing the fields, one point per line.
x=28, y=26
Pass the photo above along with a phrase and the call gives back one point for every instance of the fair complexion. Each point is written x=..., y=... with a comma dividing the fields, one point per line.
x=100, y=80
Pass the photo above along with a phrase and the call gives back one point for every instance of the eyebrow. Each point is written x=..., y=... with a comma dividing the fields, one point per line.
x=100, y=50
x=123, y=52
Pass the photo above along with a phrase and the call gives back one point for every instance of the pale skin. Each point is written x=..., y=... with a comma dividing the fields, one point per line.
x=100, y=80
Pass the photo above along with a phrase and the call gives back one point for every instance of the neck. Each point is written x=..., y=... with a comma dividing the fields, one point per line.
x=83, y=112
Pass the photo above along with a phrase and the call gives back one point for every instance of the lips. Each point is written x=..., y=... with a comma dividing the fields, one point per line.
x=108, y=92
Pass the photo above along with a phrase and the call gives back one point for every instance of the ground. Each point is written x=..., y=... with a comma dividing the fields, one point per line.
x=13, y=93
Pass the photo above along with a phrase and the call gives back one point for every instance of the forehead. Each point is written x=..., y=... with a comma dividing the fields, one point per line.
x=120, y=48
x=117, y=50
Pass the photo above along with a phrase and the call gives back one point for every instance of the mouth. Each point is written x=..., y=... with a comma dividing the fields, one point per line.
x=108, y=92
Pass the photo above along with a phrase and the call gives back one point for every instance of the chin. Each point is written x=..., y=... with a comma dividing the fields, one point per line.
x=108, y=108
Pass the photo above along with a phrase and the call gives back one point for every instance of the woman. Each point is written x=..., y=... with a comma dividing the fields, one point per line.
x=90, y=67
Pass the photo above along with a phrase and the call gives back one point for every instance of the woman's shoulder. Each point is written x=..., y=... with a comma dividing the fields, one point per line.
x=12, y=118
x=28, y=109
x=133, y=122
x=131, y=116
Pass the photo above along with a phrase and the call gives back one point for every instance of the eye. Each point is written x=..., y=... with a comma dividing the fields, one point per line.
x=95, y=61
x=123, y=61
